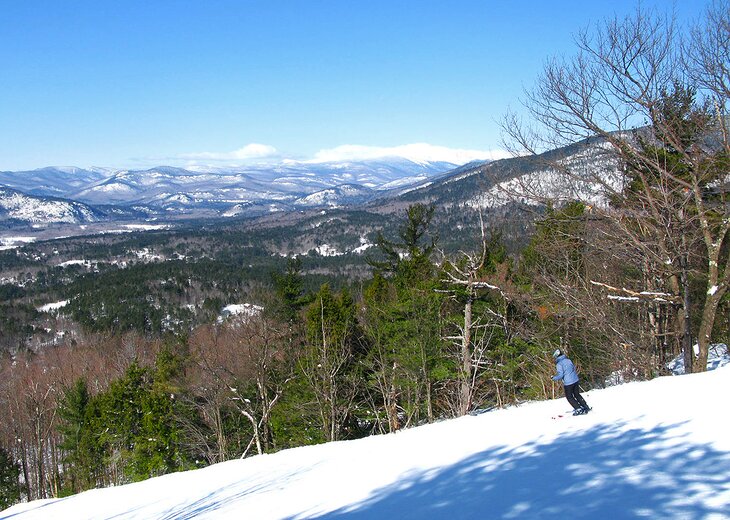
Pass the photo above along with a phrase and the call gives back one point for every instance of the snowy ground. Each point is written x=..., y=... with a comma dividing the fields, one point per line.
x=656, y=449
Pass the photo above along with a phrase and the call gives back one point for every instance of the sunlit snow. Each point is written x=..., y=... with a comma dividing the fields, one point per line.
x=242, y=310
x=656, y=449
x=327, y=250
x=593, y=174
x=53, y=306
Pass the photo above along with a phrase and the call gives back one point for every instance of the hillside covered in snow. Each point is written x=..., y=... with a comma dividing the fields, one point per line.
x=167, y=191
x=655, y=449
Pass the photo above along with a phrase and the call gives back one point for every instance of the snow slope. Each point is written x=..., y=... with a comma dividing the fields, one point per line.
x=19, y=206
x=656, y=449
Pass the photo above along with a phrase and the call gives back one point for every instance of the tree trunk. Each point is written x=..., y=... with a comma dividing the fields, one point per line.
x=686, y=325
x=709, y=313
x=26, y=472
x=466, y=365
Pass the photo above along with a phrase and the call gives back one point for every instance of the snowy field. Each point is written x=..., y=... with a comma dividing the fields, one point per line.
x=656, y=449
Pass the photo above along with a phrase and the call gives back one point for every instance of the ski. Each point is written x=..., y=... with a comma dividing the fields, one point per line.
x=569, y=413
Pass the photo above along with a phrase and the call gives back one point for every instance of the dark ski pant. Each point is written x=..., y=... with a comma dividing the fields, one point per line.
x=574, y=397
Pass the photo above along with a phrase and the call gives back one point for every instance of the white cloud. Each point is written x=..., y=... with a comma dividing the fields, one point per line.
x=250, y=151
x=266, y=154
x=418, y=152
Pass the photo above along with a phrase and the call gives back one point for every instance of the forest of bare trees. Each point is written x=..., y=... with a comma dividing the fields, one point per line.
x=649, y=99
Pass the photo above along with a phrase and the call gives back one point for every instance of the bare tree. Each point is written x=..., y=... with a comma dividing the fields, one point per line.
x=242, y=363
x=466, y=276
x=260, y=342
x=208, y=396
x=327, y=356
x=29, y=398
x=656, y=114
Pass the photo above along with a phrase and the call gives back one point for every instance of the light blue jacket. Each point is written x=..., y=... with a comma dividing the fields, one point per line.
x=566, y=370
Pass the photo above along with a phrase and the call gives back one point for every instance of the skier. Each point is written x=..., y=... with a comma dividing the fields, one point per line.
x=566, y=372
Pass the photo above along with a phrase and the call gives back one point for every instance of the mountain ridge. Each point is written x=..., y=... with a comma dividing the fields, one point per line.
x=174, y=191
x=379, y=185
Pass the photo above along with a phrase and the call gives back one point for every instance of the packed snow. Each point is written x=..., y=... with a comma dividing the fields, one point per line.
x=655, y=449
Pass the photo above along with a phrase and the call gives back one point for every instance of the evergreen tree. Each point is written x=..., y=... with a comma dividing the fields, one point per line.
x=81, y=458
x=410, y=259
x=401, y=318
x=9, y=483
x=134, y=422
x=290, y=290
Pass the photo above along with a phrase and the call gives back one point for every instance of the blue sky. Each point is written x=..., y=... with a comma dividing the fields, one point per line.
x=142, y=83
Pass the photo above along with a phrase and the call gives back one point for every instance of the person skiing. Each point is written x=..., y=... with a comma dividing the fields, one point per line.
x=569, y=376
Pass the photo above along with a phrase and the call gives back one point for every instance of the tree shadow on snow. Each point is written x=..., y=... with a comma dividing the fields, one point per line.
x=605, y=472
x=215, y=501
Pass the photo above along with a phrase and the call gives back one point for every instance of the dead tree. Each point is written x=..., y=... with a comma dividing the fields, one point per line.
x=467, y=279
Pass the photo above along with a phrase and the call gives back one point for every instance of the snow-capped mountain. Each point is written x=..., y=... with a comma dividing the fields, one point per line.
x=53, y=181
x=287, y=182
x=288, y=185
x=595, y=160
x=165, y=191
x=334, y=197
x=527, y=180
x=21, y=207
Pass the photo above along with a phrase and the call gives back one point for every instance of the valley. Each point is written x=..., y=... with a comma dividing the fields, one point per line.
x=167, y=272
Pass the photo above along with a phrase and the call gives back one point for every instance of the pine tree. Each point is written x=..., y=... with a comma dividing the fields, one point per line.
x=134, y=424
x=75, y=443
x=290, y=290
x=401, y=319
x=9, y=484
x=410, y=259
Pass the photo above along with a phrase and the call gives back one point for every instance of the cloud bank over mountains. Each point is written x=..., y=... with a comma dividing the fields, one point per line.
x=417, y=152
x=263, y=153
x=248, y=152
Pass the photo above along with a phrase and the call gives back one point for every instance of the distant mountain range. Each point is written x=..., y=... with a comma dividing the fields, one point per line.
x=76, y=195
